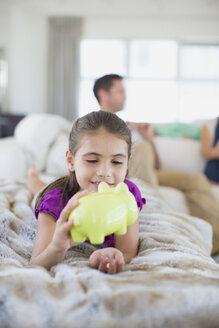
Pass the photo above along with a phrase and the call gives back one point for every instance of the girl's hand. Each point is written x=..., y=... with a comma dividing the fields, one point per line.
x=62, y=239
x=109, y=260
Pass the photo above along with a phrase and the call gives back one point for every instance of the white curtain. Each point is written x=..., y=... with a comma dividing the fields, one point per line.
x=64, y=66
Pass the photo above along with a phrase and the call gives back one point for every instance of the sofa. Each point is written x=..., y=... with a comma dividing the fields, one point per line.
x=40, y=141
x=172, y=282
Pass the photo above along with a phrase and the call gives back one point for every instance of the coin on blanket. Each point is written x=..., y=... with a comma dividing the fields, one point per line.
x=108, y=264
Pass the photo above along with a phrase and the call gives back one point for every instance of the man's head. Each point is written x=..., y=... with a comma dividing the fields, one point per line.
x=110, y=92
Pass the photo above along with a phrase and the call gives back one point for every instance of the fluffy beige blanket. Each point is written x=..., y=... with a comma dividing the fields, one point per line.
x=173, y=282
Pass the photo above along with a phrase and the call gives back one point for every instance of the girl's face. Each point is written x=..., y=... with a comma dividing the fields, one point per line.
x=101, y=156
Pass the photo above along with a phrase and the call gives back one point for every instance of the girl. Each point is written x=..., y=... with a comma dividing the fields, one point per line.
x=99, y=150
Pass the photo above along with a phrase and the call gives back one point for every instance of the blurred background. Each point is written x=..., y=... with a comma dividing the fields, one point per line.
x=51, y=51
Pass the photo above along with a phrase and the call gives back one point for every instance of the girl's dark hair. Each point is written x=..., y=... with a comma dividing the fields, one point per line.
x=89, y=123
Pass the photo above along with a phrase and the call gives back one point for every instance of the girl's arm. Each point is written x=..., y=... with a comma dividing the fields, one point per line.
x=146, y=130
x=128, y=243
x=53, y=239
x=45, y=251
x=208, y=151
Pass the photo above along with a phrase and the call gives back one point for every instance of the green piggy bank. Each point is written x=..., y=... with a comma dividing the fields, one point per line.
x=107, y=211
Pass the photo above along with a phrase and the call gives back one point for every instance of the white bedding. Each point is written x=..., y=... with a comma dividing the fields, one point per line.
x=172, y=282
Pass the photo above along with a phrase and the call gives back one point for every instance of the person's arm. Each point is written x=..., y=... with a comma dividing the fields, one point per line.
x=45, y=252
x=53, y=239
x=128, y=243
x=208, y=151
x=147, y=132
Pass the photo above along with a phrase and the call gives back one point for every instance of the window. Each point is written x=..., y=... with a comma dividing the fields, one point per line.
x=165, y=81
x=153, y=59
x=199, y=82
x=199, y=62
x=100, y=57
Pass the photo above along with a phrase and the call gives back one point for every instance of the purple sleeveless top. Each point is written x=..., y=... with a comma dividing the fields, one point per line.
x=51, y=203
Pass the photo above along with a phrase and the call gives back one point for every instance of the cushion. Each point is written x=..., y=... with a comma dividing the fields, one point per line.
x=37, y=132
x=179, y=154
x=13, y=163
x=56, y=162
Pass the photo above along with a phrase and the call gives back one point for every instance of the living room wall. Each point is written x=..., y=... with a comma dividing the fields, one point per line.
x=204, y=29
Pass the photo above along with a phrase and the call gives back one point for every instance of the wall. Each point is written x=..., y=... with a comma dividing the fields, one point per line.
x=27, y=62
x=183, y=28
x=4, y=30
